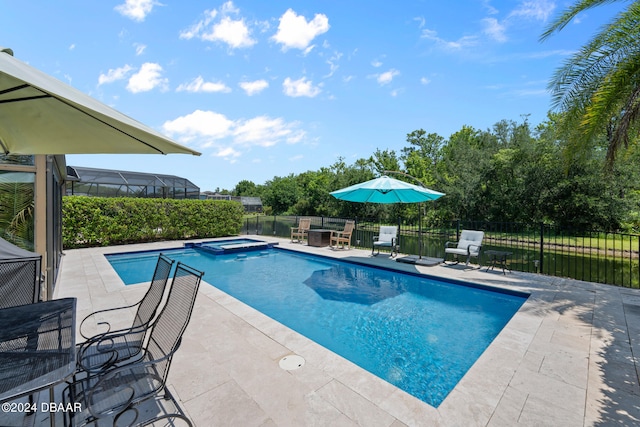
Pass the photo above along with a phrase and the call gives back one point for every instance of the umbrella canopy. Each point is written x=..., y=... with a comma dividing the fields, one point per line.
x=386, y=190
x=42, y=115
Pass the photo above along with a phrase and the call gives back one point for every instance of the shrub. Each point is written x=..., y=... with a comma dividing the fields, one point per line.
x=99, y=221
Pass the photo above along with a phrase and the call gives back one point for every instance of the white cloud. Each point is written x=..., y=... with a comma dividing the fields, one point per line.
x=232, y=138
x=461, y=43
x=333, y=63
x=387, y=77
x=539, y=10
x=233, y=32
x=72, y=46
x=196, y=29
x=202, y=125
x=376, y=63
x=136, y=9
x=300, y=87
x=490, y=9
x=114, y=75
x=148, y=78
x=228, y=7
x=494, y=29
x=424, y=81
x=254, y=87
x=263, y=131
x=296, y=32
x=199, y=85
x=228, y=153
x=140, y=48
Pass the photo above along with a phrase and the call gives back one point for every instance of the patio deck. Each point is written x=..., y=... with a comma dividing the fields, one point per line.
x=569, y=357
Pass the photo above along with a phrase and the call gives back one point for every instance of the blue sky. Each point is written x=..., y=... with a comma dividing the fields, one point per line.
x=270, y=88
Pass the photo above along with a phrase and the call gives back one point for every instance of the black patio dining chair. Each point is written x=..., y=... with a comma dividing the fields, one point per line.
x=116, y=393
x=110, y=347
x=20, y=275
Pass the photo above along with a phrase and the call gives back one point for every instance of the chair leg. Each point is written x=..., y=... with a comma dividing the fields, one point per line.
x=455, y=261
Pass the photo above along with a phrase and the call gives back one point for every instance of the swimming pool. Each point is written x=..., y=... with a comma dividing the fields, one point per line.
x=417, y=333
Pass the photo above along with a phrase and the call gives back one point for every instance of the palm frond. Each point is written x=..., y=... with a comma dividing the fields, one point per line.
x=597, y=88
x=570, y=13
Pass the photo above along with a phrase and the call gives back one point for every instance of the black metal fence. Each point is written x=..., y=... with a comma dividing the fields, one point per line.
x=593, y=256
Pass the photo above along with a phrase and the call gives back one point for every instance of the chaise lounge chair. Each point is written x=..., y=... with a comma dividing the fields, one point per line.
x=388, y=238
x=343, y=237
x=469, y=245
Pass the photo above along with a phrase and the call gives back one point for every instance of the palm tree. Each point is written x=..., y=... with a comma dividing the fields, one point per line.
x=598, y=87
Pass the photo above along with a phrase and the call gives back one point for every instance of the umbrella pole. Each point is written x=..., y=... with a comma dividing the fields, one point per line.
x=420, y=231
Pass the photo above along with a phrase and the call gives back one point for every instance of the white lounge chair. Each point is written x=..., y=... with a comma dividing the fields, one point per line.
x=388, y=238
x=469, y=245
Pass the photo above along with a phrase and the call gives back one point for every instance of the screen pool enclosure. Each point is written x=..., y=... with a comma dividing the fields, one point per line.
x=96, y=182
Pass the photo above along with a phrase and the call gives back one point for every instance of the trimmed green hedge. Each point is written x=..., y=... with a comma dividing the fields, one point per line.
x=105, y=221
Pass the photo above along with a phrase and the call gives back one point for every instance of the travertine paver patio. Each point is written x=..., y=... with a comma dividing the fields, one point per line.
x=567, y=358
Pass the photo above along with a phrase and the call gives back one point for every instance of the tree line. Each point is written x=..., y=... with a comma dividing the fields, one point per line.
x=509, y=173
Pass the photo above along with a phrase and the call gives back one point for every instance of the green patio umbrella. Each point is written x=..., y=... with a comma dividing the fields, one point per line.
x=389, y=190
x=42, y=115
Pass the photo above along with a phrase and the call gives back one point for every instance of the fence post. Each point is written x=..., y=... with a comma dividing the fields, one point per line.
x=458, y=229
x=257, y=219
x=541, y=262
x=357, y=232
x=274, y=225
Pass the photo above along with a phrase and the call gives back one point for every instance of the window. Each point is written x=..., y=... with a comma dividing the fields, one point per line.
x=17, y=207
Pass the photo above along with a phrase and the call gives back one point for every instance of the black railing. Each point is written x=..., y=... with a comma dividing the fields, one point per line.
x=593, y=256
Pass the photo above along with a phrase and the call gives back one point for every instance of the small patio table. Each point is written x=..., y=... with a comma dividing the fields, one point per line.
x=37, y=347
x=498, y=258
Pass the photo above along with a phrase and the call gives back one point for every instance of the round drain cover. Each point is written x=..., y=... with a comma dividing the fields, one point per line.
x=291, y=362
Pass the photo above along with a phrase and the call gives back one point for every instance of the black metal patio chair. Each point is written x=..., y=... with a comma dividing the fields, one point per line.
x=108, y=348
x=109, y=395
x=20, y=275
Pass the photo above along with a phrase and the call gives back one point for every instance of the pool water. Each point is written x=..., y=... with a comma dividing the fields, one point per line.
x=420, y=334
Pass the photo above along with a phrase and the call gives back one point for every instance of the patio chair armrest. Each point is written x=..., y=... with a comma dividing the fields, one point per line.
x=475, y=246
x=449, y=244
x=85, y=334
x=104, y=344
x=96, y=339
